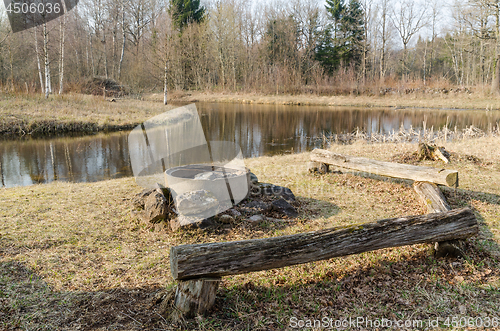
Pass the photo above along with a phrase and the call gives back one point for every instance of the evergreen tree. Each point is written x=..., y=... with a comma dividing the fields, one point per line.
x=341, y=41
x=353, y=32
x=186, y=11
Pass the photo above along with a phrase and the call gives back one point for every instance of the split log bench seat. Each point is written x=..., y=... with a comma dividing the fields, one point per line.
x=322, y=159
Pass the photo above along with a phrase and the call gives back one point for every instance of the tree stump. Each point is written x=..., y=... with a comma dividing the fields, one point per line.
x=432, y=152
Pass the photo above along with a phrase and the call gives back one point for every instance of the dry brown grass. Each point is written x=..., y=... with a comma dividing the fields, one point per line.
x=414, y=100
x=75, y=256
x=35, y=115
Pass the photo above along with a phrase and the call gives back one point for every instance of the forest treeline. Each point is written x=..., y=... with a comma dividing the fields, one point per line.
x=297, y=46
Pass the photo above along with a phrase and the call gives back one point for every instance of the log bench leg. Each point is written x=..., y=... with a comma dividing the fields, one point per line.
x=432, y=197
x=195, y=296
x=451, y=248
x=322, y=168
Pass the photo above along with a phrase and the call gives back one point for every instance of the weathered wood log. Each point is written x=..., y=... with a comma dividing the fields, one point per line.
x=237, y=257
x=432, y=197
x=389, y=169
x=196, y=296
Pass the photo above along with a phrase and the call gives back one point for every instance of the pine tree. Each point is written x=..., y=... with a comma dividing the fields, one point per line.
x=341, y=41
x=352, y=28
x=186, y=11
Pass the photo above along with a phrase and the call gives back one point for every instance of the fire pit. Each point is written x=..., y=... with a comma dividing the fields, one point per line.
x=203, y=189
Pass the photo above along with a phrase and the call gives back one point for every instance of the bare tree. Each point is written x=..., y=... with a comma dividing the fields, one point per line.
x=42, y=85
x=384, y=35
x=48, y=84
x=62, y=28
x=124, y=39
x=408, y=18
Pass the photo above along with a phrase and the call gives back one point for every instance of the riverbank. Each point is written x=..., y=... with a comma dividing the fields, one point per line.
x=75, y=256
x=31, y=115
x=26, y=115
x=436, y=100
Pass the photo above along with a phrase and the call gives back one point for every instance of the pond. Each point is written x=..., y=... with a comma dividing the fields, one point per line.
x=258, y=129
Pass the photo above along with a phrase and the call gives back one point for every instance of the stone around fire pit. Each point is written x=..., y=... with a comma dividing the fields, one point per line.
x=195, y=202
x=155, y=207
x=265, y=189
x=284, y=208
x=190, y=222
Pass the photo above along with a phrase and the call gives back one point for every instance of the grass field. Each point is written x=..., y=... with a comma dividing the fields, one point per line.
x=77, y=257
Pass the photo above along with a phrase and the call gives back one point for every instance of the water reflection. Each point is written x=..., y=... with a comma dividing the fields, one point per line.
x=80, y=159
x=258, y=129
x=275, y=129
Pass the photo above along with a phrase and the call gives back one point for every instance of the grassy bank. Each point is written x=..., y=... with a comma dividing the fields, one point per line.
x=76, y=256
x=438, y=100
x=34, y=115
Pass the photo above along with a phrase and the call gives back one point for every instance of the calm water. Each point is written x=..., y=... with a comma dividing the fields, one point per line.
x=258, y=129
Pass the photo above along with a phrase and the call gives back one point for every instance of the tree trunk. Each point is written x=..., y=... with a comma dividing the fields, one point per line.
x=434, y=200
x=165, y=82
x=106, y=72
x=11, y=62
x=495, y=83
x=62, y=28
x=432, y=197
x=123, y=41
x=92, y=56
x=42, y=85
x=237, y=257
x=48, y=87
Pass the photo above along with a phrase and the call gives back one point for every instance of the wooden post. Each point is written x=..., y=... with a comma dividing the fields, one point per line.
x=237, y=257
x=194, y=297
x=389, y=169
x=432, y=197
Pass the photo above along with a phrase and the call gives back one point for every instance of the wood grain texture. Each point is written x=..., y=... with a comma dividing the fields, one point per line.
x=432, y=197
x=389, y=169
x=237, y=257
x=196, y=296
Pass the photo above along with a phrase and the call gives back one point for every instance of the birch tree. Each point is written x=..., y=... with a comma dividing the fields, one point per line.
x=62, y=28
x=48, y=84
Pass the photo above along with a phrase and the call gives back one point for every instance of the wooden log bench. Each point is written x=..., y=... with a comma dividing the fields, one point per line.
x=425, y=180
x=198, y=268
x=322, y=159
